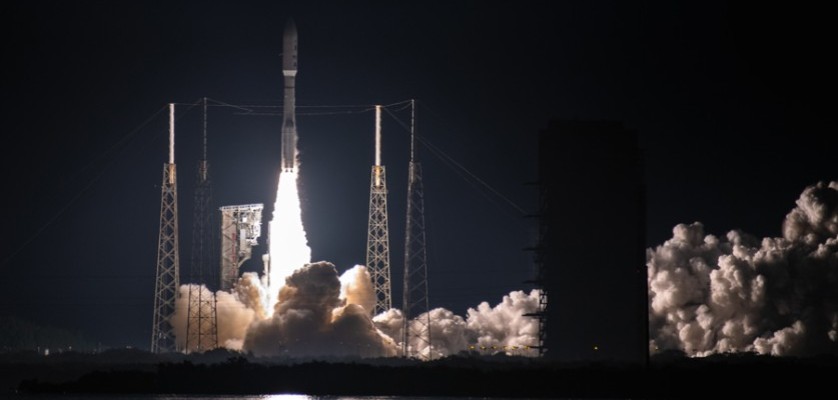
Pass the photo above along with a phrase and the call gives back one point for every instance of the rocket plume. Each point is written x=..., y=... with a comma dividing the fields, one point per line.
x=288, y=244
x=775, y=296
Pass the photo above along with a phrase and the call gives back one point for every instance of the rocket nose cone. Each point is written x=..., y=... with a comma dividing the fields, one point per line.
x=290, y=28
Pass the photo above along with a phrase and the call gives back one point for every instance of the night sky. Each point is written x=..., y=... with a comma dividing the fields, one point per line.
x=734, y=106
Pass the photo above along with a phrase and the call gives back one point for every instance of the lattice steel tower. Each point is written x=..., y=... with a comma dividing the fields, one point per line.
x=202, y=321
x=415, y=296
x=168, y=257
x=378, y=236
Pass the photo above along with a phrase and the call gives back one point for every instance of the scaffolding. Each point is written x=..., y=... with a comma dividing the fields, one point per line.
x=240, y=231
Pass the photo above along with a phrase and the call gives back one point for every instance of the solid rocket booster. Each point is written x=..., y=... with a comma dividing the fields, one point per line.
x=289, y=119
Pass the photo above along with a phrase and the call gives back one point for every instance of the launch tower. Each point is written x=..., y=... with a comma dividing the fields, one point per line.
x=168, y=257
x=378, y=235
x=416, y=327
x=202, y=321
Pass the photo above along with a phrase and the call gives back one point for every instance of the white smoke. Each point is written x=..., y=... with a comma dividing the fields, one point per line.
x=775, y=296
x=499, y=329
x=356, y=287
x=310, y=319
x=505, y=325
x=250, y=291
x=448, y=334
x=321, y=314
x=236, y=317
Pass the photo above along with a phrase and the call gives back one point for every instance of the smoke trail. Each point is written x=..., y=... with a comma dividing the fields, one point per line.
x=776, y=296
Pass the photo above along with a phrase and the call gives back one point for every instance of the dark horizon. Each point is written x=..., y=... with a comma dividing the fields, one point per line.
x=135, y=373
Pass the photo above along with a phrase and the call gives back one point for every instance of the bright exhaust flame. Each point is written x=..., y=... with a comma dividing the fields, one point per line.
x=288, y=244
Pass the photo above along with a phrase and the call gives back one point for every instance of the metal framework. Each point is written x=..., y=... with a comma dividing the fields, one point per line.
x=416, y=327
x=240, y=231
x=378, y=235
x=541, y=265
x=168, y=257
x=541, y=278
x=202, y=321
x=540, y=281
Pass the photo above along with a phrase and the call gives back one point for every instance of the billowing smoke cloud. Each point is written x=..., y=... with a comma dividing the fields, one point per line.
x=499, y=329
x=356, y=287
x=310, y=319
x=234, y=314
x=321, y=314
x=505, y=325
x=250, y=291
x=774, y=296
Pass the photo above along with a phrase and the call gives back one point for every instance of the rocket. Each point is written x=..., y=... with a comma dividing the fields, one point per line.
x=289, y=119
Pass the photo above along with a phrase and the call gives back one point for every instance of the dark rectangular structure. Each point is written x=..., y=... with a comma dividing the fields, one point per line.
x=592, y=250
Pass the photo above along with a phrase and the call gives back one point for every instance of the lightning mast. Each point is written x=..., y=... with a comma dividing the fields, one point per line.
x=202, y=320
x=168, y=257
x=416, y=327
x=378, y=236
